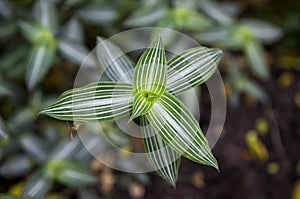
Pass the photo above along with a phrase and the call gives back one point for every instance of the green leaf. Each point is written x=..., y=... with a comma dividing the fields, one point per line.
x=5, y=9
x=70, y=173
x=32, y=32
x=76, y=52
x=65, y=149
x=191, y=19
x=40, y=61
x=163, y=158
x=255, y=55
x=73, y=30
x=150, y=74
x=191, y=68
x=217, y=11
x=97, y=101
x=15, y=166
x=98, y=15
x=35, y=147
x=117, y=66
x=145, y=16
x=213, y=35
x=38, y=184
x=3, y=132
x=45, y=14
x=263, y=30
x=179, y=129
x=6, y=196
x=142, y=103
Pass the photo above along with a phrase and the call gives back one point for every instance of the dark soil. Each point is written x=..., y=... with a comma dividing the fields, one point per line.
x=241, y=176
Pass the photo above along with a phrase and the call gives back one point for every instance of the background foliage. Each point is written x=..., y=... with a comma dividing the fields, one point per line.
x=44, y=42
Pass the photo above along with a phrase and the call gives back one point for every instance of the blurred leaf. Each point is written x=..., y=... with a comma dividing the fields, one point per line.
x=145, y=16
x=21, y=119
x=15, y=166
x=73, y=30
x=65, y=149
x=163, y=158
x=5, y=196
x=255, y=54
x=242, y=83
x=38, y=185
x=76, y=52
x=256, y=147
x=118, y=137
x=101, y=101
x=70, y=173
x=10, y=60
x=16, y=189
x=262, y=126
x=263, y=30
x=7, y=29
x=273, y=167
x=5, y=9
x=3, y=132
x=213, y=36
x=191, y=68
x=191, y=20
x=222, y=13
x=84, y=193
x=39, y=62
x=179, y=129
x=35, y=147
x=117, y=66
x=45, y=14
x=296, y=190
x=98, y=15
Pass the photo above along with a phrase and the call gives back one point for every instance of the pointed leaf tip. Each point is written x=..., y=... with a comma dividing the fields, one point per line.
x=150, y=74
x=179, y=129
x=192, y=68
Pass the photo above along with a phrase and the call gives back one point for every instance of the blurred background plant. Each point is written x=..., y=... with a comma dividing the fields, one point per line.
x=44, y=41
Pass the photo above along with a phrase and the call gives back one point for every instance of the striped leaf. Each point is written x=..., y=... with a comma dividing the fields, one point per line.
x=45, y=13
x=179, y=129
x=40, y=60
x=97, y=101
x=116, y=65
x=142, y=103
x=150, y=73
x=163, y=158
x=191, y=68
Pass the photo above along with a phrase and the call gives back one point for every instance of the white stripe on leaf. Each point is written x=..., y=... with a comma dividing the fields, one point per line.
x=96, y=101
x=178, y=128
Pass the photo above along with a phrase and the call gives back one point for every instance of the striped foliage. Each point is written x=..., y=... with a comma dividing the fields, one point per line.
x=97, y=101
x=163, y=158
x=179, y=129
x=168, y=127
x=191, y=68
x=150, y=73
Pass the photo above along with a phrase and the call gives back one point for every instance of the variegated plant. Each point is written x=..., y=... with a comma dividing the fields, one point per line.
x=168, y=127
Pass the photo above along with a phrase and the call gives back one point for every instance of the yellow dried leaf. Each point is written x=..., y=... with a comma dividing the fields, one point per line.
x=273, y=167
x=285, y=79
x=257, y=149
x=16, y=189
x=296, y=190
x=262, y=126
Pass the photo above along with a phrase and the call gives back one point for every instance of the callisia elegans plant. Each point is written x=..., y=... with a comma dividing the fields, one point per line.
x=168, y=127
